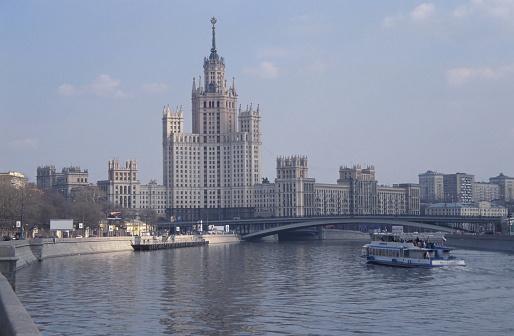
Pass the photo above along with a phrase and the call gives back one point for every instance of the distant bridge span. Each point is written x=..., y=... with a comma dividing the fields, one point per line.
x=342, y=221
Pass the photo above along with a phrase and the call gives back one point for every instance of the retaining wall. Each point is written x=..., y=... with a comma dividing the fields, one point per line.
x=14, y=318
x=222, y=238
x=481, y=242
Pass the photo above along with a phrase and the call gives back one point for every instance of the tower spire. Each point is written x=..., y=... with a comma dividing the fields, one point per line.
x=214, y=54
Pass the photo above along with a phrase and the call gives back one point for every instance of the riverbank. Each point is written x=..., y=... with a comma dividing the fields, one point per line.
x=497, y=243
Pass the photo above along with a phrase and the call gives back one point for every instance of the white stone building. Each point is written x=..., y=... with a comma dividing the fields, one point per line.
x=483, y=208
x=357, y=192
x=124, y=190
x=212, y=172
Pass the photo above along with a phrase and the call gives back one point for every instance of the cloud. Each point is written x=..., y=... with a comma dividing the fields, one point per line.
x=422, y=12
x=315, y=68
x=462, y=75
x=392, y=21
x=103, y=86
x=263, y=70
x=154, y=88
x=25, y=144
x=68, y=90
x=495, y=9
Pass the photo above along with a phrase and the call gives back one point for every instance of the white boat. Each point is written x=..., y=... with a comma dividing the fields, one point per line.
x=409, y=250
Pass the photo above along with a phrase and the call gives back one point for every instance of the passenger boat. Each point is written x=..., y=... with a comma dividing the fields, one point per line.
x=409, y=250
x=147, y=243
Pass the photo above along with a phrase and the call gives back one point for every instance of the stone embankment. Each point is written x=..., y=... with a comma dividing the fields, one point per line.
x=498, y=243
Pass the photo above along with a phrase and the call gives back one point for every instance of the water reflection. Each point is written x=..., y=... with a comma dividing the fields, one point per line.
x=315, y=288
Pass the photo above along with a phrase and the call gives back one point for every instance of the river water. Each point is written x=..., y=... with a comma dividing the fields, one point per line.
x=287, y=288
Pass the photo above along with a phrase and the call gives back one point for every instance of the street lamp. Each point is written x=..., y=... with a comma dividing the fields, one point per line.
x=21, y=209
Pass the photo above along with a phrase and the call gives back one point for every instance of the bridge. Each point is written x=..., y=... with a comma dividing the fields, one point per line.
x=253, y=229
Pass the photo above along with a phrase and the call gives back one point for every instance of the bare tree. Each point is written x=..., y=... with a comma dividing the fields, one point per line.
x=87, y=206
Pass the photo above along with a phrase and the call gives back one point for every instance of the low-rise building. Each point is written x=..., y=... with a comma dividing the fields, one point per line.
x=482, y=208
x=14, y=178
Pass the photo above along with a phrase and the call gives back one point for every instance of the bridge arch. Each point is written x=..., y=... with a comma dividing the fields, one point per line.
x=342, y=221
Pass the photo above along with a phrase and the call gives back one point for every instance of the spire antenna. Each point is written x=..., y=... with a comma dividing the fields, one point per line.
x=214, y=54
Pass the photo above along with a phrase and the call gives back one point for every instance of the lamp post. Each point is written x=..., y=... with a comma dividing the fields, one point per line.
x=21, y=208
x=21, y=212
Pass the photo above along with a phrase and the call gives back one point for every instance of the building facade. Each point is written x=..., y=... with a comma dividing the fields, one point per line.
x=62, y=182
x=356, y=193
x=212, y=172
x=506, y=187
x=458, y=187
x=484, y=191
x=295, y=195
x=14, y=178
x=124, y=190
x=431, y=187
x=483, y=208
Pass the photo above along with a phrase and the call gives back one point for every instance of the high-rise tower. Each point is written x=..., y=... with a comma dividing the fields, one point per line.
x=212, y=171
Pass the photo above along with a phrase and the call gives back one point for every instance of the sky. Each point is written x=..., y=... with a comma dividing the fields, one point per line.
x=405, y=86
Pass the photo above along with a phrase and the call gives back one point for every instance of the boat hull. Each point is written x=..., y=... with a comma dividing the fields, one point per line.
x=167, y=245
x=424, y=263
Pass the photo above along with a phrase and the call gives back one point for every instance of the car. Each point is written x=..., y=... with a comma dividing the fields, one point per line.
x=78, y=236
x=237, y=217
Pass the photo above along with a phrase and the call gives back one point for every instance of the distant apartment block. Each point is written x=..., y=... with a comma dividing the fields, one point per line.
x=506, y=186
x=295, y=194
x=124, y=190
x=63, y=182
x=458, y=187
x=356, y=193
x=431, y=187
x=484, y=191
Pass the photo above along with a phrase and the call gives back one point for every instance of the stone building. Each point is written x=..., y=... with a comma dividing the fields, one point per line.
x=63, y=182
x=356, y=193
x=484, y=191
x=506, y=187
x=124, y=190
x=212, y=172
x=431, y=187
x=483, y=208
x=294, y=194
x=16, y=179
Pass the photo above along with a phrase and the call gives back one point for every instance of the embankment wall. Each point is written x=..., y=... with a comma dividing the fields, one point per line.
x=14, y=318
x=496, y=243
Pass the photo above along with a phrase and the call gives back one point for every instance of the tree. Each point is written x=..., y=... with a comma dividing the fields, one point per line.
x=9, y=207
x=87, y=206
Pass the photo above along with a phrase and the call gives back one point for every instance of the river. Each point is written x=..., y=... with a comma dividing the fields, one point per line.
x=287, y=288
